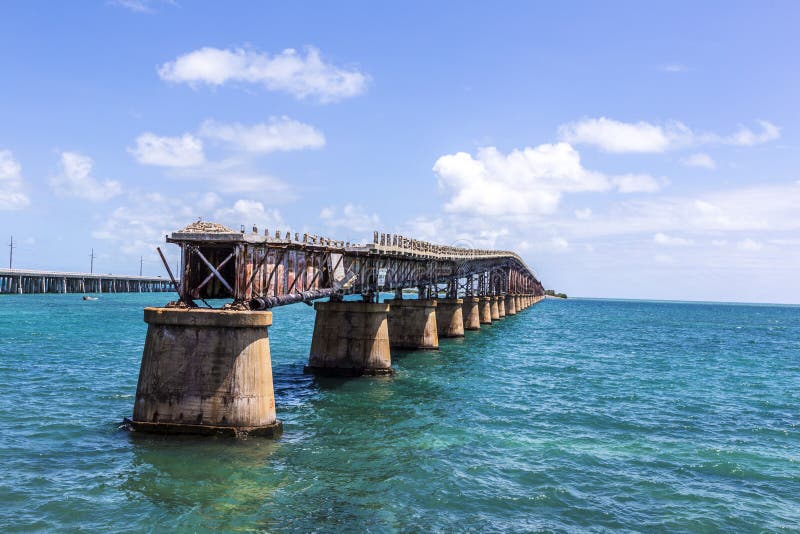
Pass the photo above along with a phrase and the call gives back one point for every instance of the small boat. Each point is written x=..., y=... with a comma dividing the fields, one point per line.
x=87, y=297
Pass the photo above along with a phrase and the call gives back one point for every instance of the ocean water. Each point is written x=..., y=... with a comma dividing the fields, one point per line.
x=573, y=415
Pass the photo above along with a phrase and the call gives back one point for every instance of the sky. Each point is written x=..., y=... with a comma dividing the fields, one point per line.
x=623, y=149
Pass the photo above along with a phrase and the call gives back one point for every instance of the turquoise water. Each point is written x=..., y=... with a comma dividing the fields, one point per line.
x=571, y=415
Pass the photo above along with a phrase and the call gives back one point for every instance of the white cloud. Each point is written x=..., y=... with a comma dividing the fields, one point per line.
x=184, y=151
x=700, y=160
x=249, y=213
x=673, y=67
x=458, y=230
x=559, y=243
x=747, y=137
x=749, y=245
x=671, y=241
x=719, y=242
x=279, y=134
x=583, y=214
x=76, y=180
x=636, y=183
x=352, y=217
x=523, y=182
x=139, y=6
x=615, y=136
x=619, y=137
x=12, y=196
x=765, y=208
x=138, y=226
x=288, y=71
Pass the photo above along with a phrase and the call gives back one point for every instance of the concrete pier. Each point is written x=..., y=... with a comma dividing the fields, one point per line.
x=495, y=308
x=486, y=310
x=450, y=317
x=501, y=306
x=412, y=324
x=206, y=372
x=511, y=305
x=472, y=314
x=350, y=339
x=518, y=303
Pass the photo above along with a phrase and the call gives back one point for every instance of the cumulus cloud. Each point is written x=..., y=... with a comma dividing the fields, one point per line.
x=139, y=6
x=615, y=136
x=764, y=208
x=458, y=230
x=620, y=137
x=139, y=225
x=749, y=245
x=636, y=183
x=673, y=67
x=183, y=151
x=700, y=160
x=12, y=196
x=278, y=134
x=76, y=180
x=248, y=213
x=583, y=214
x=351, y=217
x=522, y=182
x=291, y=72
x=671, y=241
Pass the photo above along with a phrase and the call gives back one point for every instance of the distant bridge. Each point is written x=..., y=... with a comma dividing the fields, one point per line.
x=22, y=281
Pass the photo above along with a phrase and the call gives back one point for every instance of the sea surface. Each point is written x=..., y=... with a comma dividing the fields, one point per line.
x=572, y=415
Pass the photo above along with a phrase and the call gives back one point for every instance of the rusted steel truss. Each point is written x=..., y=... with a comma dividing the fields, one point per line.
x=259, y=272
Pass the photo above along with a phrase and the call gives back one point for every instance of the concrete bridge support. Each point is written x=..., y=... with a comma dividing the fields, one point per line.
x=511, y=305
x=495, y=307
x=412, y=324
x=206, y=372
x=350, y=339
x=518, y=303
x=472, y=314
x=450, y=317
x=501, y=306
x=486, y=310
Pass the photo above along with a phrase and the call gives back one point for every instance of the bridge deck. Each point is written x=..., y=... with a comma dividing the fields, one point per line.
x=262, y=271
x=34, y=281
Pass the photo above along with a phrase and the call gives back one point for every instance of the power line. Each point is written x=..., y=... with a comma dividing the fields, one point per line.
x=91, y=265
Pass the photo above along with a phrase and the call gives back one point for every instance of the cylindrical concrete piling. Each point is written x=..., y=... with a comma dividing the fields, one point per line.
x=206, y=372
x=450, y=317
x=486, y=310
x=471, y=312
x=501, y=306
x=412, y=324
x=495, y=307
x=518, y=303
x=350, y=339
x=511, y=305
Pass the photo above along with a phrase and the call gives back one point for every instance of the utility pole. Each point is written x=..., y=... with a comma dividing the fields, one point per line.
x=141, y=262
x=11, y=253
x=91, y=265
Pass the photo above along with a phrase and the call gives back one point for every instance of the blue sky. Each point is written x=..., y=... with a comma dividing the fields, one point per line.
x=630, y=149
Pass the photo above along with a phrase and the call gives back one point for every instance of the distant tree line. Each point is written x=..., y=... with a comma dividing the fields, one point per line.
x=552, y=293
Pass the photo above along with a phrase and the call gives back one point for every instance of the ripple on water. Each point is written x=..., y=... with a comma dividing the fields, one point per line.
x=570, y=415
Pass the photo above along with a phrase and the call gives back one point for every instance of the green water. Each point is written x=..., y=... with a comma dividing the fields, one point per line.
x=573, y=415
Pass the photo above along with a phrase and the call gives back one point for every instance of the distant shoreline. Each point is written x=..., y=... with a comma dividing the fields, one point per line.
x=675, y=301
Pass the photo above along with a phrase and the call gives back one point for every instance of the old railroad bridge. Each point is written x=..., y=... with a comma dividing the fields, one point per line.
x=207, y=370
